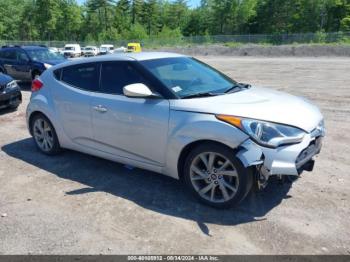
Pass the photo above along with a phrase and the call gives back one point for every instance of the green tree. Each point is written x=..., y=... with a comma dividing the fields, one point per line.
x=47, y=15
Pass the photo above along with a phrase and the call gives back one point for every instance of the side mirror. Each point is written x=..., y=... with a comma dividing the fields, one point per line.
x=138, y=90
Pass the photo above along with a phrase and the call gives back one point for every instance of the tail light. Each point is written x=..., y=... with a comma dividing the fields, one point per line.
x=36, y=85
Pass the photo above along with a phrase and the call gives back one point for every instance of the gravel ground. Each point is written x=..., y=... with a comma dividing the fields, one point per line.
x=76, y=204
x=299, y=50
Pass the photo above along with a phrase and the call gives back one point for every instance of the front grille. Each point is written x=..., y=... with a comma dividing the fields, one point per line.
x=2, y=88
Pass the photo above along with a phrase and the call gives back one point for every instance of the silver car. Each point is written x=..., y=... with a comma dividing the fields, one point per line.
x=175, y=115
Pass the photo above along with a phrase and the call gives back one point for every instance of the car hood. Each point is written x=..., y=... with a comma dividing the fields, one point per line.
x=257, y=103
x=5, y=79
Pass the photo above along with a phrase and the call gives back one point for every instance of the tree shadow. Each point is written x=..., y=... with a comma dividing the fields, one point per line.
x=147, y=189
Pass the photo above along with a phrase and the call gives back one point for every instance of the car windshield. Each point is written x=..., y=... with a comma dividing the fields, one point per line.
x=69, y=48
x=188, y=77
x=44, y=54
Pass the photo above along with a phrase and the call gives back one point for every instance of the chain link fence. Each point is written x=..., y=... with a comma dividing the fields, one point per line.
x=275, y=39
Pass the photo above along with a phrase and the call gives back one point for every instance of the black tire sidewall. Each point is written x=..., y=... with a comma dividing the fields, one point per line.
x=56, y=145
x=245, y=175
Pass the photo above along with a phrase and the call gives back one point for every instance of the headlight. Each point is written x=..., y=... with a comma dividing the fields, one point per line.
x=47, y=66
x=266, y=133
x=10, y=86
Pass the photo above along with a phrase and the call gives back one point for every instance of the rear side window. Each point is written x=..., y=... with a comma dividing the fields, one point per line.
x=57, y=73
x=9, y=54
x=116, y=75
x=83, y=76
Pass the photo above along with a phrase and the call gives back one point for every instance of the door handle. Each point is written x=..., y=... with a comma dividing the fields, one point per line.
x=100, y=109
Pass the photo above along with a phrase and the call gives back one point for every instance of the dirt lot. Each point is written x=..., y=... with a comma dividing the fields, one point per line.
x=75, y=203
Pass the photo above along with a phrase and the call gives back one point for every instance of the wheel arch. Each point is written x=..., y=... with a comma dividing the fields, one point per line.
x=2, y=69
x=191, y=146
x=35, y=70
x=31, y=118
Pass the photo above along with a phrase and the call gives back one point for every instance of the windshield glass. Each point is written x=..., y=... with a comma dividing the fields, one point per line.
x=44, y=54
x=187, y=76
x=69, y=48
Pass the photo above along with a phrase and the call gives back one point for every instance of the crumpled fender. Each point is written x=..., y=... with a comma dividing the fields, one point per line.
x=250, y=154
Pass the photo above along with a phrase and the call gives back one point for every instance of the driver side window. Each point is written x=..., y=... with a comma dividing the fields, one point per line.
x=21, y=56
x=116, y=75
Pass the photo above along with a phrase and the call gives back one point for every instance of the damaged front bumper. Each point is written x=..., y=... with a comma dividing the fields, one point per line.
x=285, y=160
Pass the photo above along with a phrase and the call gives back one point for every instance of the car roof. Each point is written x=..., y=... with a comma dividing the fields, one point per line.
x=33, y=47
x=25, y=47
x=142, y=56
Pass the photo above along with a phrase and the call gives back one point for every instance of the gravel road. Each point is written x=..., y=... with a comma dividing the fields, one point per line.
x=77, y=204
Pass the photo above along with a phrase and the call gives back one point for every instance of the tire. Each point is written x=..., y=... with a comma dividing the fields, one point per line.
x=35, y=75
x=234, y=178
x=42, y=129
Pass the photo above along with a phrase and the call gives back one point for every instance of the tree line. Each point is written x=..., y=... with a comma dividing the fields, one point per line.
x=101, y=20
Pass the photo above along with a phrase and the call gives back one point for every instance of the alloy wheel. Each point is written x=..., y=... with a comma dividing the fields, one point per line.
x=214, y=177
x=43, y=134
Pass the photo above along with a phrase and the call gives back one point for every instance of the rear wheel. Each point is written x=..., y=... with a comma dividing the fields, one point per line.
x=35, y=75
x=44, y=135
x=216, y=177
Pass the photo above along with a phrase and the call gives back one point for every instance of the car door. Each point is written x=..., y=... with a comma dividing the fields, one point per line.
x=72, y=97
x=10, y=60
x=22, y=67
x=132, y=128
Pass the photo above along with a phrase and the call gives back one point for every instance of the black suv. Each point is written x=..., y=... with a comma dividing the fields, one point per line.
x=27, y=62
x=10, y=93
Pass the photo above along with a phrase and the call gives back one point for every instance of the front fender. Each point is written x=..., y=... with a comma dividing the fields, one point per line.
x=189, y=127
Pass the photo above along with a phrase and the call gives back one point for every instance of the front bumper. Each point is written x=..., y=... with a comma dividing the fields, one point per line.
x=11, y=98
x=284, y=160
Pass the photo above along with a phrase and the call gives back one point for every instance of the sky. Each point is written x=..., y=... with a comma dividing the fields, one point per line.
x=191, y=3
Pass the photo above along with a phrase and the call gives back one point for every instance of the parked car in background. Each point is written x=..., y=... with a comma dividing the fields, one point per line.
x=121, y=49
x=54, y=49
x=175, y=115
x=134, y=47
x=106, y=49
x=91, y=51
x=27, y=62
x=10, y=93
x=83, y=49
x=72, y=50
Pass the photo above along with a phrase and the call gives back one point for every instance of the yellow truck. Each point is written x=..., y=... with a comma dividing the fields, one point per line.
x=134, y=47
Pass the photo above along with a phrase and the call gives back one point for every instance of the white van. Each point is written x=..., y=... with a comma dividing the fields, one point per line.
x=106, y=49
x=72, y=50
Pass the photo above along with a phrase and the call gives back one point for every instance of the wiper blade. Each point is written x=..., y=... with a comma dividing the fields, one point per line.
x=233, y=88
x=245, y=85
x=237, y=87
x=206, y=94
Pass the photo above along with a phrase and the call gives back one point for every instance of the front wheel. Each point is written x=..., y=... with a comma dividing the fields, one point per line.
x=216, y=177
x=44, y=135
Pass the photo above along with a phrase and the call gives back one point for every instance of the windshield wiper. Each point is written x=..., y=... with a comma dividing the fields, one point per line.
x=237, y=87
x=245, y=85
x=233, y=88
x=205, y=94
